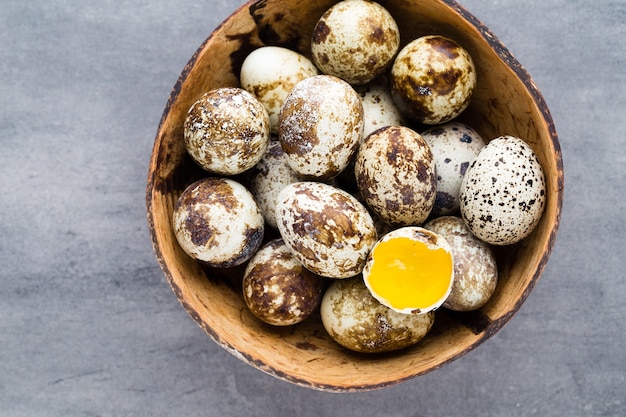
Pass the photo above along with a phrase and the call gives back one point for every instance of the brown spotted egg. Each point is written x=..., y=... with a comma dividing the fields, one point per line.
x=268, y=178
x=227, y=131
x=475, y=269
x=278, y=289
x=217, y=221
x=321, y=126
x=379, y=109
x=326, y=228
x=503, y=193
x=395, y=174
x=270, y=73
x=355, y=41
x=454, y=146
x=357, y=321
x=433, y=79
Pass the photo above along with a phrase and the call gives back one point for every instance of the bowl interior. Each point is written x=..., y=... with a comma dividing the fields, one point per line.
x=505, y=102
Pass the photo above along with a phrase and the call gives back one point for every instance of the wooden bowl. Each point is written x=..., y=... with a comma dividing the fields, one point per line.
x=506, y=101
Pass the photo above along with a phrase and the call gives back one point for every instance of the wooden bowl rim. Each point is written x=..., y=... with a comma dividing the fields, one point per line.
x=511, y=62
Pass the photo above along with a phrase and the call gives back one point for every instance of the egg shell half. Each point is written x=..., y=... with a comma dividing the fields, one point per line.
x=503, y=193
x=326, y=228
x=357, y=321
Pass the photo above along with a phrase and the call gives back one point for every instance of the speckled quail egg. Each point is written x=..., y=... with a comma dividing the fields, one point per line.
x=503, y=193
x=454, y=146
x=321, y=126
x=410, y=270
x=357, y=321
x=379, y=109
x=328, y=230
x=395, y=174
x=475, y=269
x=268, y=178
x=227, y=131
x=355, y=40
x=433, y=79
x=278, y=289
x=217, y=221
x=270, y=73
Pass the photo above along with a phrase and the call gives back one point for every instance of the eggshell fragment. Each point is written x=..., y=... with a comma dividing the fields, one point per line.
x=357, y=321
x=503, y=193
x=321, y=126
x=326, y=228
x=454, y=146
x=217, y=221
x=268, y=178
x=475, y=269
x=270, y=73
x=278, y=289
x=226, y=131
x=433, y=79
x=355, y=41
x=395, y=173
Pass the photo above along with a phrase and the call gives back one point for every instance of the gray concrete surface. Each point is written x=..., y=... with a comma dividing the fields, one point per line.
x=88, y=324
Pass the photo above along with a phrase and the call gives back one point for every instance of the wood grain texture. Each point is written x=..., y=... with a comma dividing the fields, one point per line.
x=506, y=101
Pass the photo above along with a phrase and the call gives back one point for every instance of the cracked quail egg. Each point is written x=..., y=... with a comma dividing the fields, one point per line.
x=410, y=270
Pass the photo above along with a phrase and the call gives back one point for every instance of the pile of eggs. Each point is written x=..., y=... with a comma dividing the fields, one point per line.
x=344, y=186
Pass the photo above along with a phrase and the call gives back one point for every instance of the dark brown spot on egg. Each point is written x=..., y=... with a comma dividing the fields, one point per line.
x=444, y=46
x=320, y=32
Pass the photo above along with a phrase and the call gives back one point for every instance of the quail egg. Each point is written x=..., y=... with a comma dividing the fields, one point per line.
x=396, y=175
x=454, y=146
x=321, y=126
x=217, y=221
x=475, y=269
x=227, y=131
x=433, y=79
x=278, y=289
x=355, y=41
x=270, y=73
x=328, y=230
x=357, y=321
x=503, y=193
x=268, y=178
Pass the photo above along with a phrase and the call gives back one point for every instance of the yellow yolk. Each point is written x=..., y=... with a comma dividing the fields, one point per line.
x=409, y=274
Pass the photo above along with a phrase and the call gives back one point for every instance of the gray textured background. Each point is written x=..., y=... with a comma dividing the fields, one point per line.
x=88, y=324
